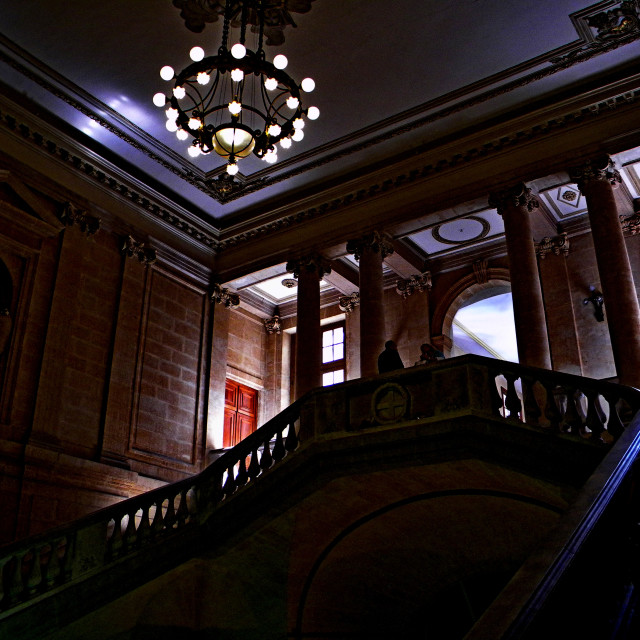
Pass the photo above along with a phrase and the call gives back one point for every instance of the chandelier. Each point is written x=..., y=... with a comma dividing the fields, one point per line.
x=236, y=102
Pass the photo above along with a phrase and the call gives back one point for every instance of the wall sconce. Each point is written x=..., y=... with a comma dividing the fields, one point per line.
x=597, y=301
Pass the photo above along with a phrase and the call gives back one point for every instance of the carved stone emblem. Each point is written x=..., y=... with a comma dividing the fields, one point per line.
x=390, y=403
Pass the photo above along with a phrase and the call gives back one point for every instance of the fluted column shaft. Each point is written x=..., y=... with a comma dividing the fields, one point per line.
x=515, y=206
x=370, y=251
x=596, y=180
x=308, y=358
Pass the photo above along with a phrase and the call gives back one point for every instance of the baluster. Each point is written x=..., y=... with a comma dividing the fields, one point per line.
x=34, y=579
x=532, y=411
x=115, y=544
x=614, y=426
x=158, y=519
x=183, y=510
x=278, y=447
x=144, y=528
x=551, y=412
x=229, y=485
x=130, y=534
x=572, y=419
x=291, y=443
x=242, y=477
x=254, y=467
x=594, y=422
x=170, y=515
x=53, y=568
x=16, y=586
x=512, y=401
x=267, y=460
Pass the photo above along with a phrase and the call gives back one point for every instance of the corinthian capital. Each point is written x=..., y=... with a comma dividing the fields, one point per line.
x=416, y=283
x=517, y=196
x=349, y=303
x=374, y=241
x=310, y=263
x=600, y=169
x=557, y=245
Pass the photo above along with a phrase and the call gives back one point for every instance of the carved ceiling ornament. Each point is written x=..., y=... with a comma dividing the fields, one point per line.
x=617, y=22
x=557, y=245
x=597, y=169
x=222, y=295
x=350, y=302
x=416, y=283
x=273, y=325
x=277, y=15
x=310, y=263
x=374, y=241
x=517, y=196
x=71, y=215
x=132, y=248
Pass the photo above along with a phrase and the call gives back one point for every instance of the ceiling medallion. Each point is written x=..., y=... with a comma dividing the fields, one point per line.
x=289, y=283
x=236, y=103
x=461, y=231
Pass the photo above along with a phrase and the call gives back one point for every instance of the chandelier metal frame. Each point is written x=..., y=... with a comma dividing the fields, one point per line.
x=236, y=102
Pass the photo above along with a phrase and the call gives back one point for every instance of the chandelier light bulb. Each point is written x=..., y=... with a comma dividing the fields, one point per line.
x=274, y=130
x=292, y=102
x=308, y=85
x=159, y=99
x=270, y=84
x=271, y=156
x=298, y=135
x=196, y=54
x=280, y=61
x=172, y=114
x=237, y=75
x=238, y=51
x=235, y=108
x=285, y=143
x=167, y=73
x=313, y=113
x=203, y=78
x=179, y=92
x=298, y=124
x=181, y=134
x=194, y=124
x=171, y=125
x=194, y=151
x=232, y=168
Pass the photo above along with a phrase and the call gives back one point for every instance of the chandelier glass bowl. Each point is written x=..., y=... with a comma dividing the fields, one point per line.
x=236, y=102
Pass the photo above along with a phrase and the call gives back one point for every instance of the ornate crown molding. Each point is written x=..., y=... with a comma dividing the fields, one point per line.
x=557, y=245
x=416, y=283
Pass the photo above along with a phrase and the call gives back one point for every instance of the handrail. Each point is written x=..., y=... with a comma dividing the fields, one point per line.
x=551, y=401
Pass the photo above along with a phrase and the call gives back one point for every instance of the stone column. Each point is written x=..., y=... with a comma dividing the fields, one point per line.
x=515, y=205
x=308, y=358
x=596, y=180
x=370, y=251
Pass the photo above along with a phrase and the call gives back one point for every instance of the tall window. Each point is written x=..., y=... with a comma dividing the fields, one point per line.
x=333, y=360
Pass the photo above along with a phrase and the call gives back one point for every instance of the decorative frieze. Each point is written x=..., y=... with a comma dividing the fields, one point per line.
x=557, y=245
x=273, y=324
x=133, y=248
x=517, y=196
x=310, y=263
x=72, y=215
x=597, y=169
x=222, y=295
x=349, y=303
x=374, y=241
x=416, y=283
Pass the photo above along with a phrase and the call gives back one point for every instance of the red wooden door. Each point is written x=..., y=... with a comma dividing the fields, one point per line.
x=240, y=412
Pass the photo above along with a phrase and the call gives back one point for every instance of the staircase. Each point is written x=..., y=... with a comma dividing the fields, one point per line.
x=576, y=432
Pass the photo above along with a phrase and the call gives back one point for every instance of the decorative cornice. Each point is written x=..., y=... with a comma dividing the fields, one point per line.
x=349, y=303
x=416, y=283
x=600, y=169
x=71, y=215
x=222, y=295
x=273, y=325
x=374, y=241
x=310, y=263
x=557, y=245
x=518, y=196
x=134, y=249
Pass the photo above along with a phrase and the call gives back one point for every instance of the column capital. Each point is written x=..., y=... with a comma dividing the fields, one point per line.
x=272, y=324
x=222, y=295
x=419, y=282
x=557, y=245
x=310, y=263
x=600, y=169
x=517, y=196
x=375, y=241
x=349, y=303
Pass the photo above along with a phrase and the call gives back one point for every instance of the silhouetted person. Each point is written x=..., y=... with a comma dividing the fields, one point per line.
x=428, y=354
x=389, y=359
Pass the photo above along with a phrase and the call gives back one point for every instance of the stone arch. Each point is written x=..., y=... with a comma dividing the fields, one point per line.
x=455, y=298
